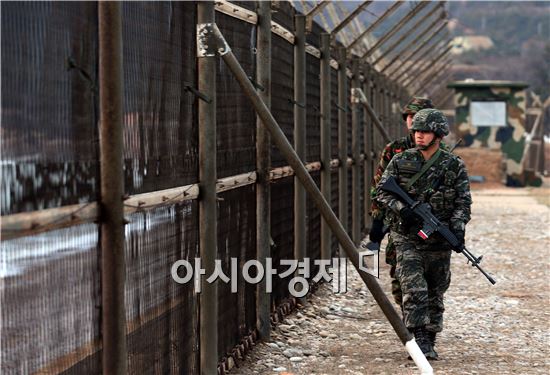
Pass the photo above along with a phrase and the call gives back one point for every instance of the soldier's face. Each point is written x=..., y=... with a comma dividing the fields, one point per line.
x=410, y=121
x=423, y=138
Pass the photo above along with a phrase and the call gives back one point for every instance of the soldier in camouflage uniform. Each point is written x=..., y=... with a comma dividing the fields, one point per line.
x=376, y=233
x=423, y=266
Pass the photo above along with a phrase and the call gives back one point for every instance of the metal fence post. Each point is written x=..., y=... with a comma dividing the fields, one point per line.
x=382, y=103
x=389, y=115
x=263, y=163
x=391, y=118
x=376, y=107
x=355, y=150
x=208, y=215
x=369, y=84
x=299, y=134
x=395, y=109
x=381, y=113
x=325, y=140
x=367, y=163
x=111, y=93
x=342, y=141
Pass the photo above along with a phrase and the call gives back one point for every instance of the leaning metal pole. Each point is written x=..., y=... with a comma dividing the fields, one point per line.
x=325, y=140
x=208, y=228
x=358, y=96
x=263, y=162
x=111, y=92
x=280, y=140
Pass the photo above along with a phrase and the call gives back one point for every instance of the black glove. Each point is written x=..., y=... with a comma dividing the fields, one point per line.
x=376, y=233
x=408, y=217
x=459, y=234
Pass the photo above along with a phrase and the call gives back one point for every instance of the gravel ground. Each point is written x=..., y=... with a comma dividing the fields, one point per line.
x=501, y=329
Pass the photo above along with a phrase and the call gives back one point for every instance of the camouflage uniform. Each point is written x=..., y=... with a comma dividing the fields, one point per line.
x=391, y=149
x=423, y=266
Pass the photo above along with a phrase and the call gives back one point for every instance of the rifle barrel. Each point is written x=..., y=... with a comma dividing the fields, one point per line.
x=475, y=262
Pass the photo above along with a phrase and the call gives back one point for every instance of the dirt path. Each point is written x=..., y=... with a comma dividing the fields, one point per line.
x=501, y=329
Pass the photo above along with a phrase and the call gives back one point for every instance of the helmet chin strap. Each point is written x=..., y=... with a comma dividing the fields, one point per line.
x=428, y=145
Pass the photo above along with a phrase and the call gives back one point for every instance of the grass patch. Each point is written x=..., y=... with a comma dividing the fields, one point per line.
x=542, y=195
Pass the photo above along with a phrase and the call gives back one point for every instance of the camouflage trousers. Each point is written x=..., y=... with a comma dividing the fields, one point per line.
x=391, y=260
x=424, y=275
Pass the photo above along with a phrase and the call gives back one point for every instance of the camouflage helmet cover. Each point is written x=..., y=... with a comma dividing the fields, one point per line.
x=431, y=120
x=416, y=104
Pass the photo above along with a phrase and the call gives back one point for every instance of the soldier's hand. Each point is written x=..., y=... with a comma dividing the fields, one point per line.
x=376, y=233
x=408, y=217
x=460, y=237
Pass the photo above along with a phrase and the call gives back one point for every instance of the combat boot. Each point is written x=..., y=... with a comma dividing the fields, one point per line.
x=421, y=336
x=431, y=338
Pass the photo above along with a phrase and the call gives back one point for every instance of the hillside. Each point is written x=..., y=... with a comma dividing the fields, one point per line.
x=520, y=32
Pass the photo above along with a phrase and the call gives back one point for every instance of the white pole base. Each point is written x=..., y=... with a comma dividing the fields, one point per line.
x=419, y=358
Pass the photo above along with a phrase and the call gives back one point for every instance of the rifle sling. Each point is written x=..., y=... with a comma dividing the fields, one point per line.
x=426, y=166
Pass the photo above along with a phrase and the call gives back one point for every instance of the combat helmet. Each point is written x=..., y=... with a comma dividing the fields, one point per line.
x=414, y=105
x=431, y=120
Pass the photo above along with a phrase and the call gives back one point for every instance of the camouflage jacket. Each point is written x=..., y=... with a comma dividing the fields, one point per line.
x=391, y=149
x=450, y=201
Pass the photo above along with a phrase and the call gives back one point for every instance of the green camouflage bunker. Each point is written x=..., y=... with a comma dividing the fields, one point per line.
x=492, y=114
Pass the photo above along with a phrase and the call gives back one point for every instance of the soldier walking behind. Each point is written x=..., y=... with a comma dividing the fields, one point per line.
x=428, y=174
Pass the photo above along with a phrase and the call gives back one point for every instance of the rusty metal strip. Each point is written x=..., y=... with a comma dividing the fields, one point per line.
x=27, y=223
x=314, y=51
x=233, y=182
x=141, y=202
x=236, y=11
x=279, y=30
x=287, y=171
x=30, y=223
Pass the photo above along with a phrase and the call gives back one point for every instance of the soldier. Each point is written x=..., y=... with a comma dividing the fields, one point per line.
x=376, y=233
x=428, y=174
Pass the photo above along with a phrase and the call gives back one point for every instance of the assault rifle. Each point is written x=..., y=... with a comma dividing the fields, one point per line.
x=431, y=224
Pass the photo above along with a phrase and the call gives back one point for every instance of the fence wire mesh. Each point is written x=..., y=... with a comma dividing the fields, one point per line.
x=49, y=105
